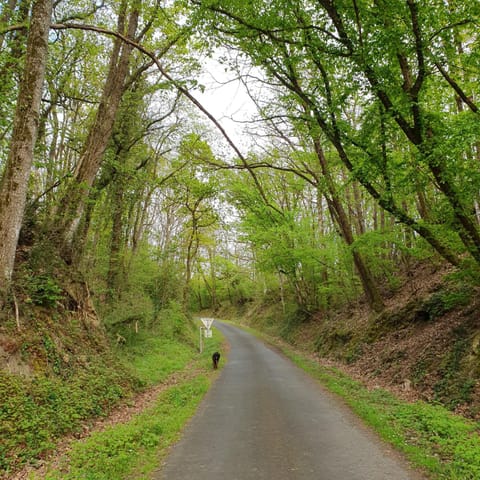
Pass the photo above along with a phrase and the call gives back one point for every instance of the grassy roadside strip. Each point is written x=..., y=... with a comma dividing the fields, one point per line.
x=444, y=445
x=133, y=450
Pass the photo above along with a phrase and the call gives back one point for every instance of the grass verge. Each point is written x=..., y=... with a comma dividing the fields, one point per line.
x=132, y=450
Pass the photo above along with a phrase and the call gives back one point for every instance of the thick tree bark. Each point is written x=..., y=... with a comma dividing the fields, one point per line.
x=14, y=184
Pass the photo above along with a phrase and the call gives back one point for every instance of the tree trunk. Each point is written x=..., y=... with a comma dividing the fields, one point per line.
x=74, y=200
x=14, y=184
x=116, y=240
x=213, y=293
x=341, y=218
x=359, y=216
x=192, y=248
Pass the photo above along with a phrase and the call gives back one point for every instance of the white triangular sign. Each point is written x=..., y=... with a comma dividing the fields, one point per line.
x=207, y=322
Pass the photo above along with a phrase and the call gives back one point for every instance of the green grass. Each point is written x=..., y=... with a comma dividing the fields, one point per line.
x=153, y=358
x=132, y=450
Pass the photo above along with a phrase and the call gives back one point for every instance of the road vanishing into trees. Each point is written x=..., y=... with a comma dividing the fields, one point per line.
x=264, y=418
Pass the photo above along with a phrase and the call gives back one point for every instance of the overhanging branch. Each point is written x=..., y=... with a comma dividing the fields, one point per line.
x=177, y=85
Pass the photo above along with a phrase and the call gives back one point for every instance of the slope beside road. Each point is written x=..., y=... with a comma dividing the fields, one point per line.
x=264, y=418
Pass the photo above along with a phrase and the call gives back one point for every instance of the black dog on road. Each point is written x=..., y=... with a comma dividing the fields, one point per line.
x=215, y=359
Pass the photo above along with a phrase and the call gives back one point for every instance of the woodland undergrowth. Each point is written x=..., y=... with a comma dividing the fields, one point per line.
x=60, y=373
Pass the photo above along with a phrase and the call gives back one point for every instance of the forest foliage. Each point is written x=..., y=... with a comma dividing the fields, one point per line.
x=362, y=159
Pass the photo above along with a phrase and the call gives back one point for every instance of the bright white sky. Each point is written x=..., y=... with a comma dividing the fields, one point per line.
x=227, y=100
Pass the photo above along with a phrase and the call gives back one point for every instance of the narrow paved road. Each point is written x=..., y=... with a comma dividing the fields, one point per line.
x=265, y=419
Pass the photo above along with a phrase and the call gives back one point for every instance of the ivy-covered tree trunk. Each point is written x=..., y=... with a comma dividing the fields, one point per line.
x=14, y=43
x=7, y=13
x=14, y=184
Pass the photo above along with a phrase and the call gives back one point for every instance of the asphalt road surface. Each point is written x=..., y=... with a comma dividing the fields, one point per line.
x=264, y=418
